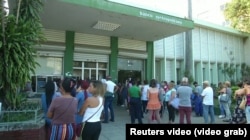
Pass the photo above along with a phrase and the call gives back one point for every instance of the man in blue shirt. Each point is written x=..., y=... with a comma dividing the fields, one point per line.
x=198, y=99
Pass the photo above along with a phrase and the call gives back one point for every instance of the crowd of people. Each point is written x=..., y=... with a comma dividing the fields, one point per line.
x=154, y=98
x=69, y=102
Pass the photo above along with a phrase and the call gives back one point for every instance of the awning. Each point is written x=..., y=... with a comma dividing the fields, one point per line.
x=134, y=23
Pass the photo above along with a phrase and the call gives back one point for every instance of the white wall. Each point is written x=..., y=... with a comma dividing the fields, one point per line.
x=211, y=47
x=246, y=52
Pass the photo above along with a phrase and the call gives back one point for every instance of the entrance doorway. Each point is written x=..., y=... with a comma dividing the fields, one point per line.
x=124, y=75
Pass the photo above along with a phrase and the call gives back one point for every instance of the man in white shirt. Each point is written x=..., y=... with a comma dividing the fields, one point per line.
x=208, y=102
x=108, y=102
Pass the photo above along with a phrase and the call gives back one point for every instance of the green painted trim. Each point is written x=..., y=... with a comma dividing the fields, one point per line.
x=69, y=52
x=113, y=59
x=150, y=60
x=134, y=11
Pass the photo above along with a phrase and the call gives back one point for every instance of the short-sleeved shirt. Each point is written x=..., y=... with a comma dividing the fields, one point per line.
x=169, y=93
x=45, y=107
x=229, y=92
x=110, y=86
x=184, y=93
x=198, y=90
x=145, y=92
x=134, y=92
x=208, y=96
x=64, y=110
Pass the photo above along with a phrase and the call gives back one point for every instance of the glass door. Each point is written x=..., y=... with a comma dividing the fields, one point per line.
x=90, y=74
x=77, y=73
x=86, y=74
x=93, y=74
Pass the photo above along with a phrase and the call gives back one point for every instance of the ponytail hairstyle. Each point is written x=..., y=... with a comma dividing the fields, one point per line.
x=84, y=86
x=49, y=92
x=68, y=84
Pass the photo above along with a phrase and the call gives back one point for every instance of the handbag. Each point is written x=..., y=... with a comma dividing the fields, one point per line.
x=80, y=126
x=243, y=103
x=175, y=102
x=224, y=98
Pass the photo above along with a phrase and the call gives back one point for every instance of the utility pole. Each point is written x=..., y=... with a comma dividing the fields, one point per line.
x=189, y=47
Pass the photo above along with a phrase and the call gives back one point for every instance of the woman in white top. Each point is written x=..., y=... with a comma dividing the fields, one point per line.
x=144, y=96
x=92, y=109
x=170, y=95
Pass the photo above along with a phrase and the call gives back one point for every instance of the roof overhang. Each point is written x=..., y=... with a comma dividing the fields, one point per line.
x=135, y=23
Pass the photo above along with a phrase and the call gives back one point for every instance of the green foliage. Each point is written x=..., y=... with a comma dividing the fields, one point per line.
x=15, y=101
x=234, y=88
x=20, y=32
x=229, y=71
x=216, y=101
x=238, y=13
x=17, y=116
x=27, y=111
x=245, y=72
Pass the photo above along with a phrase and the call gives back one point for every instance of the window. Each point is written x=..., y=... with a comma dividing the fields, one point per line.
x=77, y=64
x=89, y=64
x=49, y=66
x=178, y=74
x=204, y=74
x=90, y=70
x=102, y=65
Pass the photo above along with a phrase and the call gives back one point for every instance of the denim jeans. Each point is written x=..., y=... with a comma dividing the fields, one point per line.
x=108, y=106
x=227, y=110
x=198, y=105
x=135, y=110
x=208, y=110
x=222, y=110
x=247, y=111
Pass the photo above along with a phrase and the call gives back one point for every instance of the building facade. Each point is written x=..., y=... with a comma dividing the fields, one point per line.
x=95, y=38
x=214, y=49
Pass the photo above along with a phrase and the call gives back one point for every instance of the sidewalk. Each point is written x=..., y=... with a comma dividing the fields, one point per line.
x=117, y=130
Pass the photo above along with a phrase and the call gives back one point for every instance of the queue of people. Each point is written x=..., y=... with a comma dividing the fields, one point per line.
x=68, y=103
x=71, y=104
x=196, y=98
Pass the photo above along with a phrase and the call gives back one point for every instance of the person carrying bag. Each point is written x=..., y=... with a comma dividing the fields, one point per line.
x=224, y=98
x=92, y=110
x=80, y=126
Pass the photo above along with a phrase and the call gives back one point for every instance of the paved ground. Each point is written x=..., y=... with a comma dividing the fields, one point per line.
x=117, y=130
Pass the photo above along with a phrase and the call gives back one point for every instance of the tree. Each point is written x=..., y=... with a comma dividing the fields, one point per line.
x=238, y=13
x=20, y=31
x=189, y=76
x=229, y=70
x=245, y=71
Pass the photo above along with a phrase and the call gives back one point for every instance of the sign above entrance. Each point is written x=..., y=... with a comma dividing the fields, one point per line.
x=161, y=6
x=161, y=15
